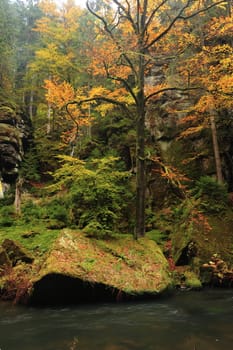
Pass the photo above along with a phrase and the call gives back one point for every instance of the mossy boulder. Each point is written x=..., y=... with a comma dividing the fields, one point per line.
x=79, y=269
x=16, y=253
x=216, y=272
x=191, y=280
x=195, y=246
x=4, y=259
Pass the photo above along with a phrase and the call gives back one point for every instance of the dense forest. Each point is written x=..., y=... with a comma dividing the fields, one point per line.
x=116, y=122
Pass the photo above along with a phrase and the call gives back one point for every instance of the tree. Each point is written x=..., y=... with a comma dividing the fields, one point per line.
x=211, y=68
x=131, y=35
x=28, y=13
x=7, y=42
x=57, y=55
x=58, y=95
x=95, y=191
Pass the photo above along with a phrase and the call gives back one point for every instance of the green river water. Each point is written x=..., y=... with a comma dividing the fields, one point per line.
x=185, y=321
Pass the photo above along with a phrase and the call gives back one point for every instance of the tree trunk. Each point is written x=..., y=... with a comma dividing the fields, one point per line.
x=140, y=176
x=1, y=190
x=31, y=104
x=216, y=148
x=49, y=111
x=140, y=149
x=18, y=193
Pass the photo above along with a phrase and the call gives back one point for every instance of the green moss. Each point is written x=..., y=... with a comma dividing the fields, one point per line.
x=135, y=267
x=192, y=280
x=37, y=239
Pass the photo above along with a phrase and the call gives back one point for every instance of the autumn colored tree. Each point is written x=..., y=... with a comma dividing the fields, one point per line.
x=210, y=67
x=58, y=95
x=130, y=37
x=58, y=63
x=57, y=55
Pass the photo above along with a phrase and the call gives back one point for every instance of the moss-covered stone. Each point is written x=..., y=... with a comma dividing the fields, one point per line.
x=122, y=268
x=16, y=252
x=4, y=259
x=195, y=247
x=191, y=280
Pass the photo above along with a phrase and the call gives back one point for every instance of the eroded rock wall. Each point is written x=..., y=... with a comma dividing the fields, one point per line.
x=15, y=132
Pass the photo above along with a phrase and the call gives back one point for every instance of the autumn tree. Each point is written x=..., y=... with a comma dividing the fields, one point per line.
x=28, y=13
x=131, y=34
x=210, y=67
x=57, y=55
x=58, y=94
x=57, y=63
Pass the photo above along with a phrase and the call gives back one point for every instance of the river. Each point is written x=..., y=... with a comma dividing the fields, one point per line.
x=186, y=321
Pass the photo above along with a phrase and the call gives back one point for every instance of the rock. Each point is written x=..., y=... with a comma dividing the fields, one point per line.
x=82, y=269
x=216, y=272
x=191, y=280
x=30, y=234
x=4, y=259
x=14, y=135
x=16, y=253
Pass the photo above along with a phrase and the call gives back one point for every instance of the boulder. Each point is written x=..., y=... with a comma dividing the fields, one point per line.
x=81, y=269
x=216, y=272
x=15, y=133
x=16, y=252
x=4, y=259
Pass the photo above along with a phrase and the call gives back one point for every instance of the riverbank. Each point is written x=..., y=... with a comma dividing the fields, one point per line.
x=44, y=266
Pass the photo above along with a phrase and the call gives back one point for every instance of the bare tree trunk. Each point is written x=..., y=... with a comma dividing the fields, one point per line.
x=1, y=190
x=216, y=148
x=49, y=111
x=18, y=193
x=140, y=176
x=140, y=138
x=31, y=104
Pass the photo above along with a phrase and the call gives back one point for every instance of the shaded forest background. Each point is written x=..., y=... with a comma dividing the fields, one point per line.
x=74, y=164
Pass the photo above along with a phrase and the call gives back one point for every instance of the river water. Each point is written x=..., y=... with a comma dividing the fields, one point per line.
x=186, y=321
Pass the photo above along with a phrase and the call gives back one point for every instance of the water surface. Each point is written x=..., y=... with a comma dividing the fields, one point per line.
x=186, y=321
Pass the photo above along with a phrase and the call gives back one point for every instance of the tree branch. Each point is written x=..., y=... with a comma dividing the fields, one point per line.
x=101, y=99
x=152, y=15
x=123, y=81
x=173, y=89
x=110, y=33
x=181, y=17
x=202, y=10
x=126, y=12
x=169, y=27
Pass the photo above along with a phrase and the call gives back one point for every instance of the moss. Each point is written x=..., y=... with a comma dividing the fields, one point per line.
x=36, y=238
x=191, y=280
x=129, y=266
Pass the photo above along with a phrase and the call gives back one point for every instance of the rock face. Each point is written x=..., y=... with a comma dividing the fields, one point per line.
x=79, y=269
x=14, y=135
x=207, y=253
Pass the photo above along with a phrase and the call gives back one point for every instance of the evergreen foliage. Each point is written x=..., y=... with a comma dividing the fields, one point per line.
x=213, y=195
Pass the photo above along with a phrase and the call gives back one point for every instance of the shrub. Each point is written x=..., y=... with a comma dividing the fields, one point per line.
x=96, y=192
x=7, y=216
x=32, y=211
